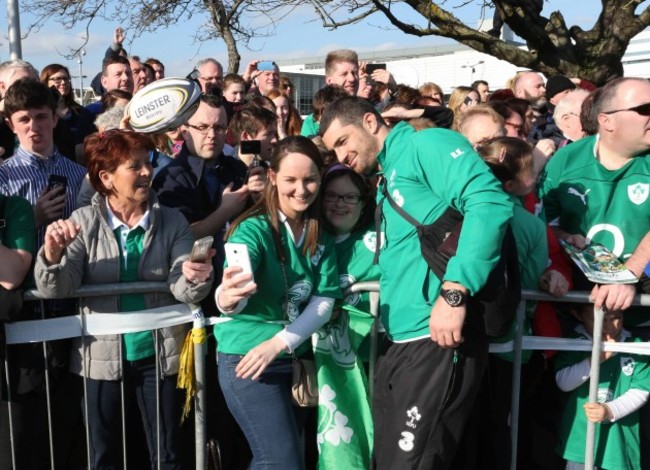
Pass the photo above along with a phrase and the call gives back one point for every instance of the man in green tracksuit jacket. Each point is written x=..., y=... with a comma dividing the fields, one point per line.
x=429, y=377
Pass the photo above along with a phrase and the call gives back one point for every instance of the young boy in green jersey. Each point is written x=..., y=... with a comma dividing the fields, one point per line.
x=622, y=391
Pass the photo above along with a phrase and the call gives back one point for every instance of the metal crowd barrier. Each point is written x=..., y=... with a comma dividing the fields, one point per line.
x=80, y=325
x=61, y=327
x=521, y=343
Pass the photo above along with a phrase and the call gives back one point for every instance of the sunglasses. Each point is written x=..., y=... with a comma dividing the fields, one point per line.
x=642, y=109
x=469, y=100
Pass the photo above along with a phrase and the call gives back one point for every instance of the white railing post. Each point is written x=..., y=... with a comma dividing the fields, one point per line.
x=594, y=379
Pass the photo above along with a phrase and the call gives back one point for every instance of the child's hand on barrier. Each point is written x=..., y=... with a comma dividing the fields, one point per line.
x=597, y=412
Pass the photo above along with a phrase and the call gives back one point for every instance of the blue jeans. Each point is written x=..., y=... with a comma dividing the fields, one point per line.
x=263, y=410
x=105, y=416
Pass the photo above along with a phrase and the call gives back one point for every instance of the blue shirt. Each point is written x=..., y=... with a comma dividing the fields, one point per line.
x=26, y=175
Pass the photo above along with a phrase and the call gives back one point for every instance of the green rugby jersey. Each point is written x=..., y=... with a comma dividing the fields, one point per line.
x=617, y=444
x=306, y=276
x=610, y=207
x=426, y=172
x=355, y=254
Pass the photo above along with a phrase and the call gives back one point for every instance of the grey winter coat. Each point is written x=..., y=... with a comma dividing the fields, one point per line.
x=93, y=258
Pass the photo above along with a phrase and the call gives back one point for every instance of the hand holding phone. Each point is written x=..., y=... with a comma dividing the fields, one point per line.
x=59, y=182
x=266, y=66
x=370, y=68
x=201, y=249
x=237, y=255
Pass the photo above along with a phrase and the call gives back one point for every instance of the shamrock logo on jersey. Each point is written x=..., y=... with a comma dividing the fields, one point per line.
x=334, y=339
x=638, y=193
x=398, y=198
x=627, y=365
x=370, y=240
x=345, y=281
x=297, y=296
x=604, y=395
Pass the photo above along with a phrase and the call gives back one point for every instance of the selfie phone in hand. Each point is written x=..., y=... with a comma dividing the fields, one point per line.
x=201, y=249
x=59, y=182
x=237, y=255
x=266, y=65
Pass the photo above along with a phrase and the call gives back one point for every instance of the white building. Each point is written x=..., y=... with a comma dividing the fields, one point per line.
x=448, y=66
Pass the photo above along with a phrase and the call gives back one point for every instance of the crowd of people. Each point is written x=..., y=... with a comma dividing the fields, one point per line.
x=451, y=204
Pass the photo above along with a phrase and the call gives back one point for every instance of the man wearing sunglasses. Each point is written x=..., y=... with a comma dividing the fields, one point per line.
x=597, y=188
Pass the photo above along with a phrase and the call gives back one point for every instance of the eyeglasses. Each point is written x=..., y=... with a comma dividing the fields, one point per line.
x=351, y=199
x=215, y=78
x=469, y=100
x=205, y=129
x=59, y=79
x=642, y=109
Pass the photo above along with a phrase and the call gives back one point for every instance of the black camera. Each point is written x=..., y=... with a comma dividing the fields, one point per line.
x=248, y=147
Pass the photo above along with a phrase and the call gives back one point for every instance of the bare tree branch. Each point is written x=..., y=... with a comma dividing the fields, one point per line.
x=553, y=46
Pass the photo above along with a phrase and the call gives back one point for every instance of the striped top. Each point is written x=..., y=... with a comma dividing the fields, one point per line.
x=26, y=175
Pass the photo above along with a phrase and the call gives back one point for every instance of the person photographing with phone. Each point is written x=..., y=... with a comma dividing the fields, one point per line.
x=255, y=133
x=262, y=75
x=125, y=236
x=274, y=310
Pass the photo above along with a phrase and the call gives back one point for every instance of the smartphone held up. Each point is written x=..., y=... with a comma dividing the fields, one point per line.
x=201, y=249
x=237, y=255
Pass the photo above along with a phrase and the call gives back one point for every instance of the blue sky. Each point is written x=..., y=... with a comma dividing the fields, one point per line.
x=298, y=34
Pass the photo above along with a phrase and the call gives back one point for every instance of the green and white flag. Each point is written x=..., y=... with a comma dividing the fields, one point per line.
x=344, y=418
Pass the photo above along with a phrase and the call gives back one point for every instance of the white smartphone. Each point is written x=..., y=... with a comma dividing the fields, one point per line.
x=237, y=255
x=201, y=249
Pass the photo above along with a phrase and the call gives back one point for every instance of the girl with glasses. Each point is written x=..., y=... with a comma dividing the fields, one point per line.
x=342, y=345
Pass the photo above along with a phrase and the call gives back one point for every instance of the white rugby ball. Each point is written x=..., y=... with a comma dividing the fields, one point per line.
x=164, y=104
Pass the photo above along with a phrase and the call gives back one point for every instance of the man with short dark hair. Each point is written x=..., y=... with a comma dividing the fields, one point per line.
x=253, y=123
x=116, y=75
x=138, y=74
x=208, y=187
x=114, y=49
x=157, y=66
x=30, y=112
x=419, y=419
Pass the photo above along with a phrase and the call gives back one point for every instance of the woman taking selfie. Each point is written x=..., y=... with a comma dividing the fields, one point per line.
x=294, y=284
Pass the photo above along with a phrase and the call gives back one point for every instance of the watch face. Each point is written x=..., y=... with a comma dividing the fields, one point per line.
x=453, y=297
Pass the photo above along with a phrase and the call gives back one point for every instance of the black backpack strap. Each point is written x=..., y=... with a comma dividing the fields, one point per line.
x=378, y=215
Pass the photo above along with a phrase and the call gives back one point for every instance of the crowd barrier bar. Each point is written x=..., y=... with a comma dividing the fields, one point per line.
x=372, y=288
x=199, y=349
x=517, y=347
